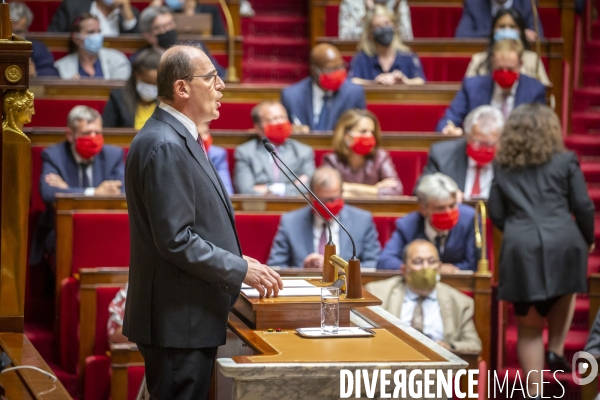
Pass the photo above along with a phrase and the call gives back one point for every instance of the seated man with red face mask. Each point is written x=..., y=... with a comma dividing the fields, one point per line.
x=255, y=171
x=468, y=161
x=435, y=309
x=81, y=164
x=504, y=89
x=440, y=220
x=302, y=235
x=317, y=102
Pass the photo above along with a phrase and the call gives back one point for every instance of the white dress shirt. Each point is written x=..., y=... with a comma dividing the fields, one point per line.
x=486, y=174
x=433, y=326
x=432, y=234
x=498, y=98
x=317, y=99
x=497, y=6
x=109, y=24
x=89, y=171
x=188, y=123
x=318, y=231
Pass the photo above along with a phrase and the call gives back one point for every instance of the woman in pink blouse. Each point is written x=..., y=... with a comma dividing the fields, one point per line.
x=367, y=169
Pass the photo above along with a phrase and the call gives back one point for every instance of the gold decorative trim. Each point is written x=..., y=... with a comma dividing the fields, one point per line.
x=13, y=73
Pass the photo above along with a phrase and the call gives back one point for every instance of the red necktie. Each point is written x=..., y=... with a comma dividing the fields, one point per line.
x=476, y=190
x=201, y=144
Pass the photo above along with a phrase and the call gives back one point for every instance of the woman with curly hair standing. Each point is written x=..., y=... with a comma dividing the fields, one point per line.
x=538, y=188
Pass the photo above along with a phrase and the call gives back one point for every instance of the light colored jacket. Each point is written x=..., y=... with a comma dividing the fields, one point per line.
x=115, y=65
x=456, y=309
x=528, y=67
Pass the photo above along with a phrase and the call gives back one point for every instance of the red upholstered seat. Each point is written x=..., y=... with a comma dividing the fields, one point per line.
x=444, y=69
x=233, y=116
x=407, y=117
x=135, y=375
x=100, y=240
x=68, y=329
x=256, y=233
x=97, y=378
x=104, y=295
x=53, y=112
x=385, y=227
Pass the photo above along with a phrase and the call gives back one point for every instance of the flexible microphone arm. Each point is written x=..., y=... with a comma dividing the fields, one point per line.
x=271, y=149
x=307, y=200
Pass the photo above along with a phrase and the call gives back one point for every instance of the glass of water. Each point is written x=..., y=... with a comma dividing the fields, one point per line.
x=330, y=309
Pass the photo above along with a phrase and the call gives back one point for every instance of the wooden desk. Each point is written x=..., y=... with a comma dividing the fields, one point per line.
x=27, y=383
x=225, y=138
x=130, y=43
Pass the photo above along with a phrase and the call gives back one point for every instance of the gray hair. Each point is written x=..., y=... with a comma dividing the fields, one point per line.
x=487, y=119
x=325, y=177
x=437, y=187
x=82, y=113
x=19, y=10
x=148, y=16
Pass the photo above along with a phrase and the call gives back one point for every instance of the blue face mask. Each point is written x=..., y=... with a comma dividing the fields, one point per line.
x=175, y=5
x=506, y=33
x=108, y=2
x=93, y=43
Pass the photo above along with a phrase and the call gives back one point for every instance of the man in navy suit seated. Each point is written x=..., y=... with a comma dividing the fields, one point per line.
x=477, y=16
x=41, y=62
x=441, y=220
x=82, y=164
x=317, y=102
x=217, y=155
x=504, y=89
x=302, y=235
x=468, y=160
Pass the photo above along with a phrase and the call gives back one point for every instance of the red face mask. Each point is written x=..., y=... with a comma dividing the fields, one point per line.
x=444, y=221
x=363, y=145
x=207, y=142
x=504, y=78
x=482, y=155
x=88, y=146
x=278, y=133
x=334, y=206
x=333, y=80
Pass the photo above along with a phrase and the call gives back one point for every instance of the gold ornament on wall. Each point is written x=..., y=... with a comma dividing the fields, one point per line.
x=18, y=110
x=13, y=73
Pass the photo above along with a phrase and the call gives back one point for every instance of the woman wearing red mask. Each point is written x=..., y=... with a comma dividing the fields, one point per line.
x=540, y=200
x=382, y=58
x=367, y=170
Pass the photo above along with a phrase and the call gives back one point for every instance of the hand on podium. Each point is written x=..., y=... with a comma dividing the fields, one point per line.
x=262, y=278
x=314, y=261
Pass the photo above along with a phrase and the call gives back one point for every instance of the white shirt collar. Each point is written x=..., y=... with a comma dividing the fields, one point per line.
x=109, y=24
x=413, y=296
x=497, y=6
x=431, y=233
x=188, y=123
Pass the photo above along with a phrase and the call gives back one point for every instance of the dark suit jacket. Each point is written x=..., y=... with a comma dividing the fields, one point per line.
x=116, y=114
x=186, y=265
x=460, y=244
x=43, y=59
x=69, y=10
x=476, y=20
x=58, y=159
x=544, y=250
x=478, y=91
x=297, y=100
x=294, y=239
x=450, y=158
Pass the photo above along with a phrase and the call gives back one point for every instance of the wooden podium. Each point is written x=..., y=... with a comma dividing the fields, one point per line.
x=258, y=364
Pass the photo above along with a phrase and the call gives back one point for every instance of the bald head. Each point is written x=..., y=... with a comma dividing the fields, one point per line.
x=325, y=56
x=326, y=183
x=424, y=248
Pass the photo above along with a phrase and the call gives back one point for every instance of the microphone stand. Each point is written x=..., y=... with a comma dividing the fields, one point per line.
x=353, y=278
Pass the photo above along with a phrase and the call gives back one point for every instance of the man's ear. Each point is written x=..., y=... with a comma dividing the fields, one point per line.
x=70, y=135
x=150, y=38
x=422, y=210
x=181, y=89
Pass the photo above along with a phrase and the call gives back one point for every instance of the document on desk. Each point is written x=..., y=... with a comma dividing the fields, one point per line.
x=288, y=291
x=290, y=283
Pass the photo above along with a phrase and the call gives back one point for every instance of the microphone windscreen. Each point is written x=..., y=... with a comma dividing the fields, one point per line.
x=268, y=145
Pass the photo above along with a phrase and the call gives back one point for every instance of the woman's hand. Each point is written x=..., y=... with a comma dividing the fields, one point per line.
x=387, y=183
x=387, y=78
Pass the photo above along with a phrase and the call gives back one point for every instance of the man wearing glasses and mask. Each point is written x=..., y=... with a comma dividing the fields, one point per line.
x=435, y=309
x=317, y=102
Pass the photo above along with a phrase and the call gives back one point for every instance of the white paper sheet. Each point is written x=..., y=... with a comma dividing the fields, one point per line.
x=288, y=291
x=290, y=283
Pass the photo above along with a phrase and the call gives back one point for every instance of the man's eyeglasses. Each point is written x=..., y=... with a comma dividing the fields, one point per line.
x=421, y=262
x=208, y=77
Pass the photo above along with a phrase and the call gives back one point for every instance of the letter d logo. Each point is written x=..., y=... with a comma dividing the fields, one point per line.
x=589, y=363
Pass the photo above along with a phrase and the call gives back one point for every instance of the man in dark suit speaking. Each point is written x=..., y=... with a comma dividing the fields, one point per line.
x=186, y=266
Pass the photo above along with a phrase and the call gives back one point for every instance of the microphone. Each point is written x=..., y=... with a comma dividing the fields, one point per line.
x=271, y=149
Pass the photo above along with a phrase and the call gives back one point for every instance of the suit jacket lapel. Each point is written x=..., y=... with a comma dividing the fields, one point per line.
x=97, y=169
x=447, y=317
x=487, y=91
x=309, y=115
x=397, y=298
x=306, y=244
x=521, y=90
x=265, y=160
x=71, y=171
x=461, y=164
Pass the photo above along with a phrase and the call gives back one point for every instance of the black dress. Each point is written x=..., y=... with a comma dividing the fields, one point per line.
x=544, y=250
x=116, y=114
